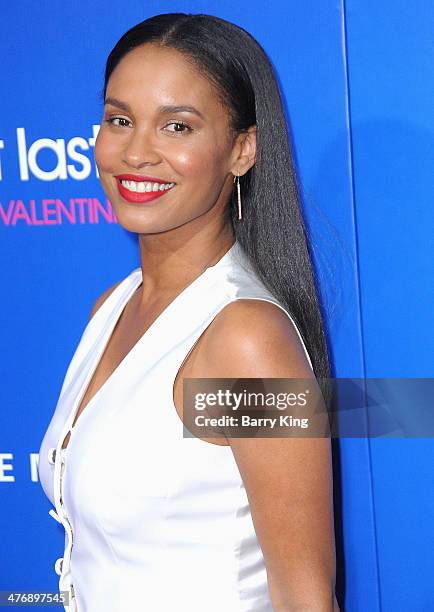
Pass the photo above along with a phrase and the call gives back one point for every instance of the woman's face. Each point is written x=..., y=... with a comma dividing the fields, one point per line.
x=163, y=123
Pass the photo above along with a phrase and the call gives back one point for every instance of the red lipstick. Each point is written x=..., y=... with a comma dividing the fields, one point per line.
x=136, y=196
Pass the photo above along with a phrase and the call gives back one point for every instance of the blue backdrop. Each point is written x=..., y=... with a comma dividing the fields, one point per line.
x=358, y=82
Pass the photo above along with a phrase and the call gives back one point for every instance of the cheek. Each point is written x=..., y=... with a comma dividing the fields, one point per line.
x=199, y=163
x=105, y=151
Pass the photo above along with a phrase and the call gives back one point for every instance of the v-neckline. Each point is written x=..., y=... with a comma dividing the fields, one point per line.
x=108, y=333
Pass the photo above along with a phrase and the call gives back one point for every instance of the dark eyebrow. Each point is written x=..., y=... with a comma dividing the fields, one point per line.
x=180, y=109
x=118, y=103
x=162, y=109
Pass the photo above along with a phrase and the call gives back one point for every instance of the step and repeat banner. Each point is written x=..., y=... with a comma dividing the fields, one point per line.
x=355, y=81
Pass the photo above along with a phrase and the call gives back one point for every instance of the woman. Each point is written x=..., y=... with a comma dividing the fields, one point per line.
x=154, y=520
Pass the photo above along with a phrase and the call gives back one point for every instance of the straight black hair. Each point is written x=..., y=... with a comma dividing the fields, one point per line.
x=272, y=232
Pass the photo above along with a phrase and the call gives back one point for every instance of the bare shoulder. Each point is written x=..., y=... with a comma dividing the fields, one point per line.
x=288, y=480
x=102, y=298
x=255, y=338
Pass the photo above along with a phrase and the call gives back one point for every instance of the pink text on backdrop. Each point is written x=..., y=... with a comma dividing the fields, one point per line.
x=54, y=211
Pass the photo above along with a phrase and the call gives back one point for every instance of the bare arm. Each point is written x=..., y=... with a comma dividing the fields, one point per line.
x=288, y=480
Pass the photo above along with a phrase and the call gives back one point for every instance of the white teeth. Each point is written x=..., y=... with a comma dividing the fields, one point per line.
x=145, y=186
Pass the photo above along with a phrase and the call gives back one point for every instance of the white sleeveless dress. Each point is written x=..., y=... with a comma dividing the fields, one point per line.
x=153, y=520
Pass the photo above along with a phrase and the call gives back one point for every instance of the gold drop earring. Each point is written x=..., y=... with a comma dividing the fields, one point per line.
x=237, y=178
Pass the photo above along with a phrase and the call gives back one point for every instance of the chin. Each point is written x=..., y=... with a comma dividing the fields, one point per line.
x=133, y=223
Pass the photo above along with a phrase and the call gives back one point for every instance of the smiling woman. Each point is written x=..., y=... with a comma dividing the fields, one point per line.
x=193, y=154
x=190, y=146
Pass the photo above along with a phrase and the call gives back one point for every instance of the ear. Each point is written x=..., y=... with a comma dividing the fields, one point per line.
x=244, y=151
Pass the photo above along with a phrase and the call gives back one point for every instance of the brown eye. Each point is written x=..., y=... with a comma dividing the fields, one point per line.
x=122, y=121
x=180, y=124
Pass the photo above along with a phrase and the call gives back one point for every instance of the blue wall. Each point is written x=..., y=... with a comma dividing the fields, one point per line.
x=358, y=84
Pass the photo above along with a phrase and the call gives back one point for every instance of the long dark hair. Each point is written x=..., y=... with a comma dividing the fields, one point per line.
x=272, y=232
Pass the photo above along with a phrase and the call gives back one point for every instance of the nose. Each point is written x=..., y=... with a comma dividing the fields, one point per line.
x=140, y=149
